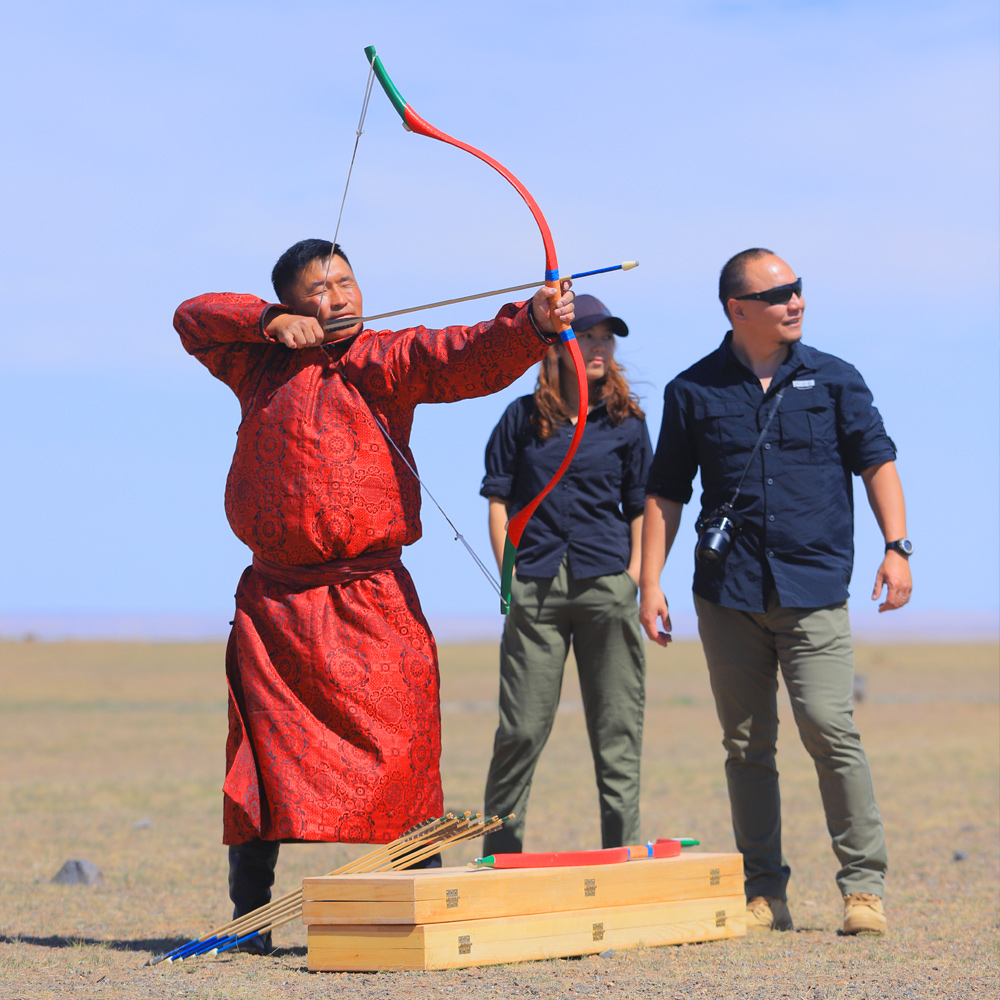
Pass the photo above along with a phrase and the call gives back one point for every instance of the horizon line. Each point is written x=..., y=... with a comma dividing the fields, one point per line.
x=942, y=626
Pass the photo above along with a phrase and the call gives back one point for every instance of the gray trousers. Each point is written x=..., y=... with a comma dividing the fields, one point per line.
x=600, y=617
x=812, y=647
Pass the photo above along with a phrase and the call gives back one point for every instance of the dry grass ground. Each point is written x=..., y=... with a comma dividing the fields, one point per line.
x=114, y=753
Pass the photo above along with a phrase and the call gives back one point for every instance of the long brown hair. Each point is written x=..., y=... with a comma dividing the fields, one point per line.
x=551, y=409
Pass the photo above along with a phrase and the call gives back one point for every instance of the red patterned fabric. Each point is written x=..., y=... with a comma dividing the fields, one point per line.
x=334, y=717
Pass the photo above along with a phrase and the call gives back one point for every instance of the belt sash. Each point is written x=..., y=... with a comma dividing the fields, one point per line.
x=335, y=573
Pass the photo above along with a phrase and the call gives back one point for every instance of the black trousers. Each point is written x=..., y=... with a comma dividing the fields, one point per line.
x=251, y=875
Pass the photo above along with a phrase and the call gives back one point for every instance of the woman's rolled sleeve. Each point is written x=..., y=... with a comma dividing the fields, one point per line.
x=635, y=471
x=502, y=453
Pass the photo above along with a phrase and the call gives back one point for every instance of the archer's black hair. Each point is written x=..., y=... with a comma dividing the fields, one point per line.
x=296, y=259
x=732, y=279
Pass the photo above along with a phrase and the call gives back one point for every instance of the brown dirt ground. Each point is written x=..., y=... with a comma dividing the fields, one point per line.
x=113, y=752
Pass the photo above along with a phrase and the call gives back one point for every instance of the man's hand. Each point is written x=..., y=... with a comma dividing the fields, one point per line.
x=659, y=529
x=295, y=331
x=885, y=494
x=894, y=575
x=653, y=606
x=547, y=302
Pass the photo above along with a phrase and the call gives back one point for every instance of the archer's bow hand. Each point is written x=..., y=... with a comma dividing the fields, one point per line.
x=295, y=331
x=553, y=308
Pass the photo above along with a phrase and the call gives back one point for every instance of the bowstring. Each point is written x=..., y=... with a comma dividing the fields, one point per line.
x=459, y=537
x=360, y=131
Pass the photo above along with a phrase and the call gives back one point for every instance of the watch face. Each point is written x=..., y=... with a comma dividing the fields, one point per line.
x=905, y=546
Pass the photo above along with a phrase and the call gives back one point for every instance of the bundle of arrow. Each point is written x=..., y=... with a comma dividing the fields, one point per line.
x=490, y=913
x=413, y=847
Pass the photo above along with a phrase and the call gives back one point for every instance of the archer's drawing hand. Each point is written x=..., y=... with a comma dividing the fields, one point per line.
x=653, y=606
x=548, y=302
x=295, y=331
x=894, y=575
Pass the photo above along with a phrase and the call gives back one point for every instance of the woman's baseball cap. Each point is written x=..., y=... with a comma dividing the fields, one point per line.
x=590, y=311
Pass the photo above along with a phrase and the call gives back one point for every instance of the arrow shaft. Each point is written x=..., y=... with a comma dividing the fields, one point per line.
x=338, y=324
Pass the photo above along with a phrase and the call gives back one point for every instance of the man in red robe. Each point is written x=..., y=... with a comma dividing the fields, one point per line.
x=334, y=714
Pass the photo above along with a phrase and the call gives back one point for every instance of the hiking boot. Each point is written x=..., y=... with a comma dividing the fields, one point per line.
x=863, y=914
x=765, y=913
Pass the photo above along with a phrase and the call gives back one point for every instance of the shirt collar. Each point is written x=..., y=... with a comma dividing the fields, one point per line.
x=799, y=357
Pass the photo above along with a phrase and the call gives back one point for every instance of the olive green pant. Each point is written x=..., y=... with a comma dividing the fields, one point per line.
x=812, y=647
x=600, y=617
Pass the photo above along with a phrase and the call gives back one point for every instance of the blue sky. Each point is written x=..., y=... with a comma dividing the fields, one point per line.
x=157, y=151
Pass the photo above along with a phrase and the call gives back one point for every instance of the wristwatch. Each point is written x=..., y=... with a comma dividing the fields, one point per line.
x=903, y=546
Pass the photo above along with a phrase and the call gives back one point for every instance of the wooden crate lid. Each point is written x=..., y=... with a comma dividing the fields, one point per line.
x=446, y=894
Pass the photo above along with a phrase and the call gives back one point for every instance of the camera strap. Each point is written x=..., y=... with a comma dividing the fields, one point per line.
x=760, y=440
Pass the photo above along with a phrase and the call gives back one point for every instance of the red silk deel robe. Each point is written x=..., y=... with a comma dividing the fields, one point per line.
x=334, y=714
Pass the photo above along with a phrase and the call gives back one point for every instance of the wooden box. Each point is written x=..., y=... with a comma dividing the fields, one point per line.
x=457, y=917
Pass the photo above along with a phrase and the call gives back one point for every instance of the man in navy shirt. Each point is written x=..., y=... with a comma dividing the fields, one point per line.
x=778, y=429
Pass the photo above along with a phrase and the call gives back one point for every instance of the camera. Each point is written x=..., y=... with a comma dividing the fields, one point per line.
x=716, y=532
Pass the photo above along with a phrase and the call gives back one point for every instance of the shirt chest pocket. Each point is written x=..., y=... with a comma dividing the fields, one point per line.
x=724, y=431
x=807, y=425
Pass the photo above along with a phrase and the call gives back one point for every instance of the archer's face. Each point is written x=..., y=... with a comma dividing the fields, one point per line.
x=328, y=296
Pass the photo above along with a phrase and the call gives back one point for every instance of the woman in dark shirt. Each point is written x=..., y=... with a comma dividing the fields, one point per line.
x=575, y=580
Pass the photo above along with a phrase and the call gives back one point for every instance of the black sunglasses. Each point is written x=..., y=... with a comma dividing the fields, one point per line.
x=776, y=296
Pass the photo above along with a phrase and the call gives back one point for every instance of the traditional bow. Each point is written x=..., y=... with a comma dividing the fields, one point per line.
x=412, y=122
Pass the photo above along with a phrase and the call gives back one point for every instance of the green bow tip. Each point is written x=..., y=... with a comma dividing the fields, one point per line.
x=398, y=101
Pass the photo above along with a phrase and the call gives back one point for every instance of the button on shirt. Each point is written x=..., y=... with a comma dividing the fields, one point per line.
x=587, y=514
x=796, y=502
